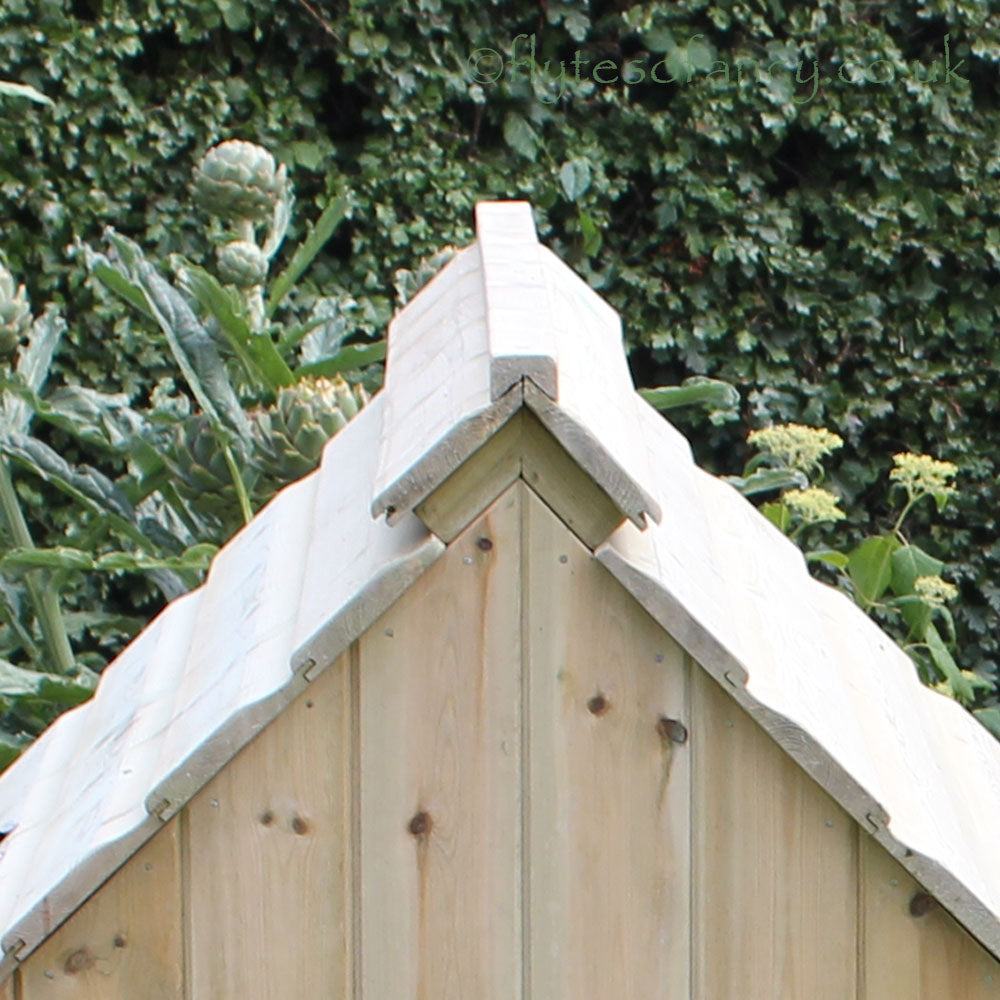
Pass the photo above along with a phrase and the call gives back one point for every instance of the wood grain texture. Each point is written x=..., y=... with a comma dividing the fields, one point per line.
x=475, y=484
x=10, y=989
x=607, y=806
x=775, y=866
x=124, y=942
x=440, y=773
x=519, y=327
x=566, y=489
x=523, y=447
x=918, y=956
x=267, y=858
x=840, y=696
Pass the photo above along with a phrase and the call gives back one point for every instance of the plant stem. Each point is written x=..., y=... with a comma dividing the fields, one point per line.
x=45, y=600
x=241, y=490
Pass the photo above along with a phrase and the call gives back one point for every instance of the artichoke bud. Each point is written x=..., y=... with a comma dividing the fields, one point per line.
x=15, y=311
x=199, y=466
x=242, y=263
x=289, y=436
x=239, y=181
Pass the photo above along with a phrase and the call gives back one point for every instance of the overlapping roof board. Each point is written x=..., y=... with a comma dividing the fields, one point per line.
x=504, y=325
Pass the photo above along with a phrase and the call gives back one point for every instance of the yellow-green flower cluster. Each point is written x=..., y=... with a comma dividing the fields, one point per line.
x=813, y=505
x=934, y=591
x=921, y=475
x=795, y=445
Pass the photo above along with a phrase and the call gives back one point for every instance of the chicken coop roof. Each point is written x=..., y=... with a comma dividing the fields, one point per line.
x=505, y=326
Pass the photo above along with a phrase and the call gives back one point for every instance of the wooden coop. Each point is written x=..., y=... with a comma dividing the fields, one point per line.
x=507, y=701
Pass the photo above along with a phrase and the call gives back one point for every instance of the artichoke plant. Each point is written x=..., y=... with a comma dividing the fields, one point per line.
x=201, y=474
x=288, y=437
x=15, y=312
x=239, y=182
x=242, y=263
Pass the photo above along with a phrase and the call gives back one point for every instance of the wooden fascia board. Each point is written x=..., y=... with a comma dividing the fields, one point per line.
x=522, y=448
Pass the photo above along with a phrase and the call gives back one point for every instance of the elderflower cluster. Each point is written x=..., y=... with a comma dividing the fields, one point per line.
x=813, y=505
x=921, y=475
x=934, y=591
x=795, y=445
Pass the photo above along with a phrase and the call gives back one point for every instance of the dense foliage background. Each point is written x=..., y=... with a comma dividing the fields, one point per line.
x=827, y=242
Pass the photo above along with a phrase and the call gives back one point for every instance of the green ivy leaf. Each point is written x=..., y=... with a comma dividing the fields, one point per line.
x=520, y=136
x=574, y=176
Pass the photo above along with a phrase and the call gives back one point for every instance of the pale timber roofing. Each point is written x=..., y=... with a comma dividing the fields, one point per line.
x=505, y=325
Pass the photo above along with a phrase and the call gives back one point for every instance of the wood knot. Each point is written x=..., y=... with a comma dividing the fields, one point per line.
x=672, y=729
x=79, y=961
x=485, y=544
x=921, y=903
x=299, y=825
x=598, y=705
x=420, y=825
x=267, y=817
x=119, y=941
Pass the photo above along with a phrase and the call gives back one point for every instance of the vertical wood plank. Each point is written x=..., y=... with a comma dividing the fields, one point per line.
x=922, y=956
x=124, y=942
x=440, y=775
x=608, y=801
x=267, y=857
x=10, y=988
x=775, y=866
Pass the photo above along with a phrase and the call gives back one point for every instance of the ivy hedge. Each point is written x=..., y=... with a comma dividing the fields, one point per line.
x=800, y=199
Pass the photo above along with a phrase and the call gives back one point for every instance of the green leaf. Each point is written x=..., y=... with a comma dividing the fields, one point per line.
x=767, y=481
x=870, y=568
x=11, y=747
x=520, y=136
x=65, y=692
x=16, y=680
x=83, y=483
x=778, y=514
x=59, y=557
x=8, y=89
x=947, y=666
x=908, y=563
x=197, y=557
x=830, y=556
x=592, y=235
x=574, y=176
x=126, y=290
x=306, y=252
x=346, y=359
x=990, y=718
x=194, y=351
x=697, y=390
x=256, y=351
x=33, y=363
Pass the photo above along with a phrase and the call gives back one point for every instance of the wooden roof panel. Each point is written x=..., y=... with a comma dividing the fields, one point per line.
x=504, y=325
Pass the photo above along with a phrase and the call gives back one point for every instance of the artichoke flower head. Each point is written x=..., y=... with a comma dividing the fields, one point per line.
x=15, y=311
x=289, y=436
x=239, y=181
